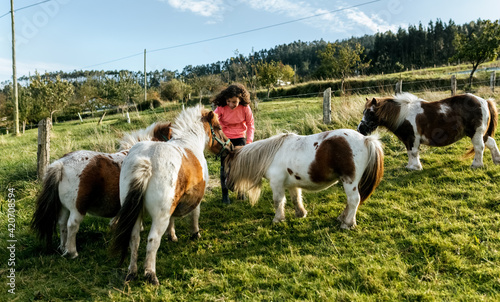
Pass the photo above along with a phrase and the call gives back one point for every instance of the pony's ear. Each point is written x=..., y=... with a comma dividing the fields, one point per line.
x=374, y=101
x=210, y=116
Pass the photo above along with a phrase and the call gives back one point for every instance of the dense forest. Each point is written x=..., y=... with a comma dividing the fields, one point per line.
x=418, y=46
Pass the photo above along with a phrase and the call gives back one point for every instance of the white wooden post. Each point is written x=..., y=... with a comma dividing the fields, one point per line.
x=327, y=111
x=81, y=120
x=453, y=85
x=43, y=153
x=492, y=81
x=399, y=87
x=256, y=105
x=128, y=118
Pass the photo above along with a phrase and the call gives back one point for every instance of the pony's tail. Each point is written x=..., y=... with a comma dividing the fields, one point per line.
x=374, y=169
x=131, y=209
x=48, y=205
x=492, y=125
x=243, y=180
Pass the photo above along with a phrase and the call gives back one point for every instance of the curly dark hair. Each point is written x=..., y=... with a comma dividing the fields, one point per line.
x=233, y=90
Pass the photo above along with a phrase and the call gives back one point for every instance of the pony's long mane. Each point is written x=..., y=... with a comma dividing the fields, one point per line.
x=394, y=110
x=187, y=123
x=250, y=163
x=147, y=134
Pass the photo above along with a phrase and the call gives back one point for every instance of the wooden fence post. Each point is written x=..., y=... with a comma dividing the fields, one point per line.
x=43, y=153
x=492, y=81
x=128, y=118
x=399, y=87
x=327, y=111
x=256, y=105
x=102, y=117
x=453, y=85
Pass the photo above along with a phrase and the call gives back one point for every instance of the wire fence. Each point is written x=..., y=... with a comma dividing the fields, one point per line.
x=425, y=86
x=430, y=85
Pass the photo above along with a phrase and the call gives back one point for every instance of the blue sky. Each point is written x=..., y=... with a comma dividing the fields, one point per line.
x=83, y=34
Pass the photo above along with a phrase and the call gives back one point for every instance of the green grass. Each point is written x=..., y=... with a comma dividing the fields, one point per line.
x=430, y=235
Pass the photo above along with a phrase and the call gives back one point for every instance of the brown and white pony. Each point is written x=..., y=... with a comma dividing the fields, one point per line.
x=165, y=180
x=84, y=182
x=314, y=163
x=441, y=123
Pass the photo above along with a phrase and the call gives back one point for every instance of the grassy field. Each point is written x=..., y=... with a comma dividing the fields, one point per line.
x=430, y=235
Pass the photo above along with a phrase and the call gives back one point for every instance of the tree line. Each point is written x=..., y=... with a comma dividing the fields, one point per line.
x=438, y=43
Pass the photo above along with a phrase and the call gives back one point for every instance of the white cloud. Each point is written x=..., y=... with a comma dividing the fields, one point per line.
x=336, y=21
x=205, y=8
x=373, y=23
x=299, y=10
x=290, y=8
x=340, y=21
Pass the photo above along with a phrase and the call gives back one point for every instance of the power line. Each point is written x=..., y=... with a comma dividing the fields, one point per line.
x=238, y=33
x=25, y=7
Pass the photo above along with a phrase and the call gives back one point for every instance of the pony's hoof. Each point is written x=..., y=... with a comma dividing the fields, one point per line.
x=152, y=279
x=226, y=200
x=130, y=277
x=70, y=255
x=242, y=196
x=341, y=217
x=195, y=236
x=301, y=214
x=346, y=226
x=477, y=166
x=172, y=238
x=278, y=220
x=414, y=167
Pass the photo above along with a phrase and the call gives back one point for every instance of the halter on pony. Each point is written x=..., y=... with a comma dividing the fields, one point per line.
x=223, y=144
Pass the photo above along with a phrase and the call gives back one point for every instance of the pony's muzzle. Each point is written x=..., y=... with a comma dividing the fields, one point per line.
x=363, y=128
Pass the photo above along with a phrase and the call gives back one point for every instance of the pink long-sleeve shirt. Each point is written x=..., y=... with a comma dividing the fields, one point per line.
x=237, y=122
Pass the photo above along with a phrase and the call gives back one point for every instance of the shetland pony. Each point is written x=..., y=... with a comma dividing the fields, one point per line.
x=313, y=162
x=441, y=123
x=84, y=182
x=165, y=180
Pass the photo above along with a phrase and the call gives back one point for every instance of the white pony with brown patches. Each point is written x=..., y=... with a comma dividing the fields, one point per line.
x=441, y=123
x=84, y=182
x=314, y=163
x=165, y=180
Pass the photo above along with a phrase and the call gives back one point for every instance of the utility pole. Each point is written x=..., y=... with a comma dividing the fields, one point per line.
x=145, y=81
x=14, y=75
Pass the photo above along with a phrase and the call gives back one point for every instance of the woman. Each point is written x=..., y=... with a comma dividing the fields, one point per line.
x=236, y=120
